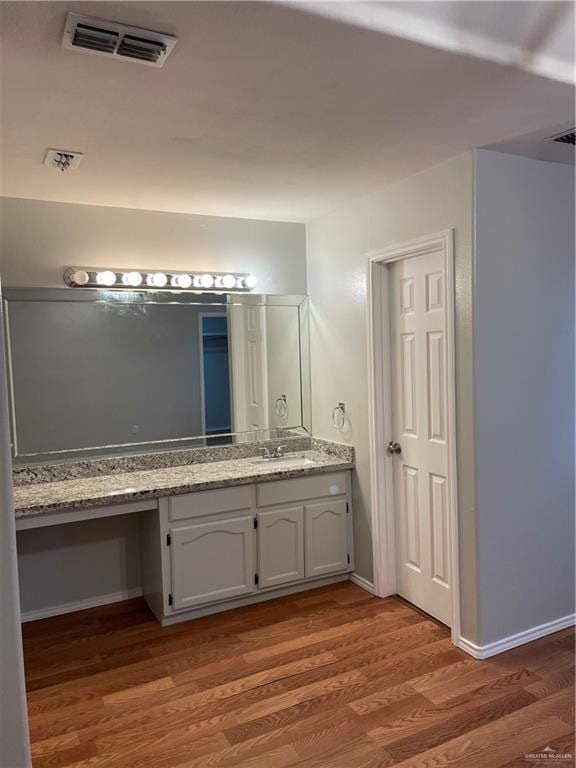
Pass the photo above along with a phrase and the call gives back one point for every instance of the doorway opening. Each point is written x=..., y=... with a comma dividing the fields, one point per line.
x=413, y=431
x=215, y=377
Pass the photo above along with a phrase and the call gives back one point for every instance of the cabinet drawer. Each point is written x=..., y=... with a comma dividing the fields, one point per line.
x=301, y=488
x=209, y=502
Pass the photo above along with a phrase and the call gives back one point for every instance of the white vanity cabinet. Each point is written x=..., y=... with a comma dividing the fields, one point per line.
x=327, y=535
x=211, y=561
x=210, y=550
x=280, y=546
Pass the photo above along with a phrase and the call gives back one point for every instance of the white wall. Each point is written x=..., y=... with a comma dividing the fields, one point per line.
x=524, y=370
x=14, y=742
x=39, y=239
x=337, y=244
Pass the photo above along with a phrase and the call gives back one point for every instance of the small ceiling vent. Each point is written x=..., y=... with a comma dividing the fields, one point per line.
x=568, y=137
x=63, y=159
x=107, y=38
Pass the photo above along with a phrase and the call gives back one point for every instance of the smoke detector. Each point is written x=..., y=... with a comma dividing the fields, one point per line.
x=108, y=38
x=566, y=137
x=63, y=159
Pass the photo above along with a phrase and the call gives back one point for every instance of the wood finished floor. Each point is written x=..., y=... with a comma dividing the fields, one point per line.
x=332, y=678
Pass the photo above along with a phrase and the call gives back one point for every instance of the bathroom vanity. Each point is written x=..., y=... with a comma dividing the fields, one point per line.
x=219, y=534
x=213, y=547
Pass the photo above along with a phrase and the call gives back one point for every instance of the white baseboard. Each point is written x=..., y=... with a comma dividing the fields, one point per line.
x=80, y=605
x=364, y=583
x=512, y=641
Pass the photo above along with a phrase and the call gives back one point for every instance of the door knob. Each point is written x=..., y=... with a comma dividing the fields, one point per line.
x=394, y=448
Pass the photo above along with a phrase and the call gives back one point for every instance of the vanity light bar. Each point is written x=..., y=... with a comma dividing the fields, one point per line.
x=130, y=279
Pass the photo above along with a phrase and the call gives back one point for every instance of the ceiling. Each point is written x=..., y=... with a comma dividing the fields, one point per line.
x=535, y=36
x=267, y=110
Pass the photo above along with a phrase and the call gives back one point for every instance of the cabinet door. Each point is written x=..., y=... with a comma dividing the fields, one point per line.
x=326, y=537
x=280, y=546
x=212, y=561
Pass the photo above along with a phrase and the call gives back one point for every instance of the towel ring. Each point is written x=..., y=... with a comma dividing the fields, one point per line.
x=339, y=416
x=281, y=406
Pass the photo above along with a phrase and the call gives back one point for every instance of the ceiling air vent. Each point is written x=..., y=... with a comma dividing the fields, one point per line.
x=63, y=159
x=568, y=137
x=107, y=38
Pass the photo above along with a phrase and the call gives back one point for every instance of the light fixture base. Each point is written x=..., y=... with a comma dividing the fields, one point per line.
x=160, y=280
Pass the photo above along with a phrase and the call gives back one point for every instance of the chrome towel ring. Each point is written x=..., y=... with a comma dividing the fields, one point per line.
x=339, y=416
x=281, y=406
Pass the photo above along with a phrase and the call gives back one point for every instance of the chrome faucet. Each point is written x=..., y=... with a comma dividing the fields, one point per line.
x=273, y=453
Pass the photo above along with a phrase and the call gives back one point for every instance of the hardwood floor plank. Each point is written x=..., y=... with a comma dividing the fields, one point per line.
x=457, y=724
x=55, y=744
x=361, y=753
x=385, y=696
x=165, y=750
x=63, y=758
x=485, y=679
x=553, y=680
x=138, y=691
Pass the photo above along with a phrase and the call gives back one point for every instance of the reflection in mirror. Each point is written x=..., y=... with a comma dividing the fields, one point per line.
x=215, y=378
x=265, y=344
x=107, y=373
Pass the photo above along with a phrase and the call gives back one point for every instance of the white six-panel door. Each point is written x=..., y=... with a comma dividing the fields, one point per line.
x=420, y=429
x=249, y=377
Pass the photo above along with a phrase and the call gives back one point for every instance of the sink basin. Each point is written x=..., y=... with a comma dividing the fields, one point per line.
x=285, y=461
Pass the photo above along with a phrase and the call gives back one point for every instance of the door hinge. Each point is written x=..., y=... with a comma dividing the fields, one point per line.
x=256, y=579
x=168, y=540
x=255, y=523
x=170, y=600
x=348, y=556
x=347, y=507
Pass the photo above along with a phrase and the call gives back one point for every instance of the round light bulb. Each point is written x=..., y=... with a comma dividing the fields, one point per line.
x=157, y=279
x=106, y=278
x=80, y=277
x=132, y=278
x=228, y=281
x=183, y=281
x=251, y=281
x=206, y=281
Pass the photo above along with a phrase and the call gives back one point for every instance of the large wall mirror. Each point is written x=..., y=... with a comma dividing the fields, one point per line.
x=100, y=373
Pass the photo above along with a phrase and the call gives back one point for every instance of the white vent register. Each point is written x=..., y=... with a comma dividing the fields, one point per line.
x=108, y=38
x=566, y=137
x=63, y=159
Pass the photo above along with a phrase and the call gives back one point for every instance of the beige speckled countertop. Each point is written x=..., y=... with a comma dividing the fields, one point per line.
x=103, y=490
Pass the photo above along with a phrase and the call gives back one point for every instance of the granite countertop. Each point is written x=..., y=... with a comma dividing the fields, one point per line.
x=83, y=493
